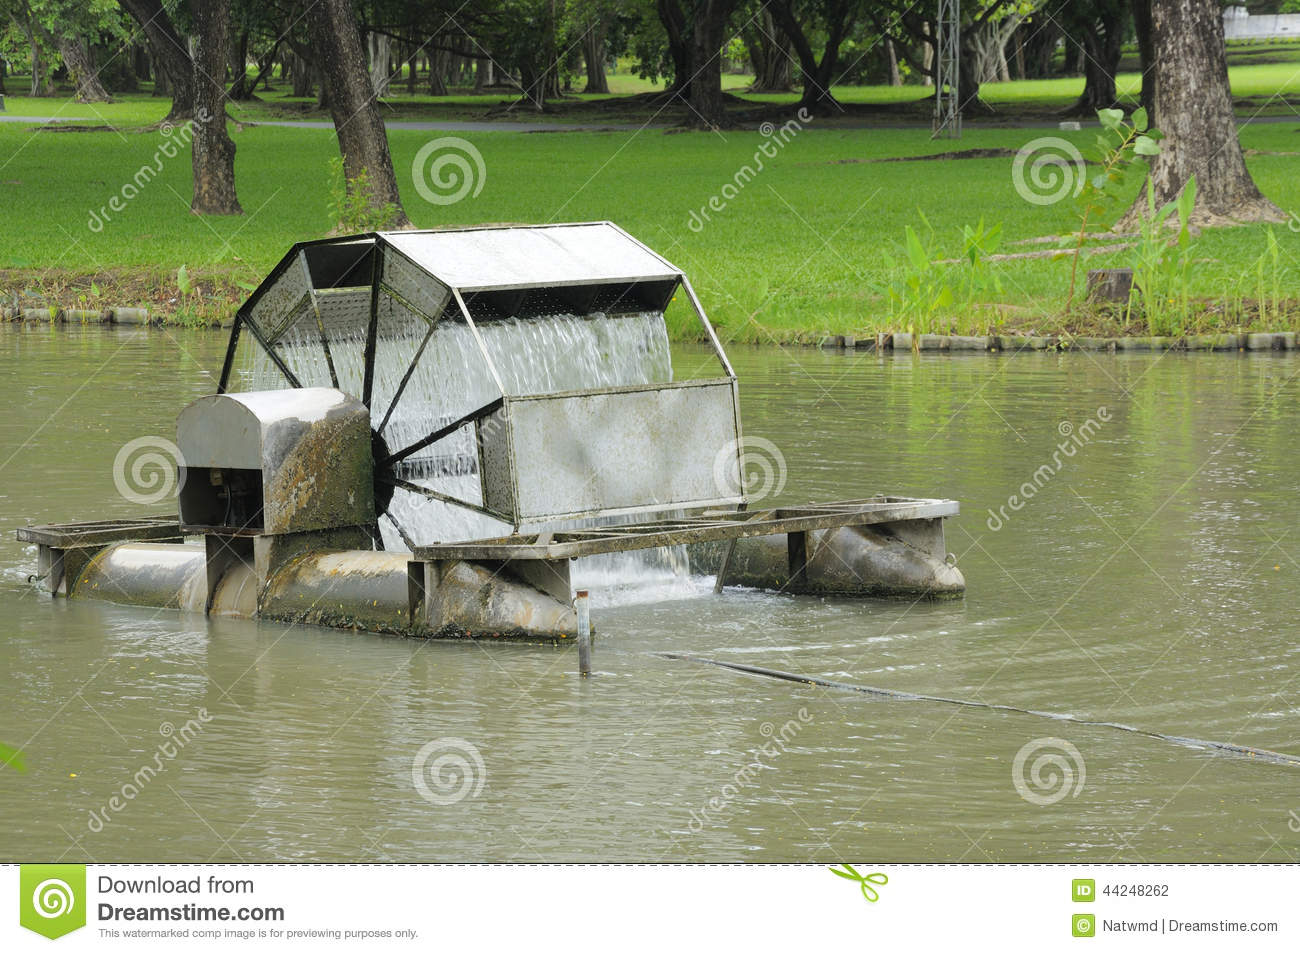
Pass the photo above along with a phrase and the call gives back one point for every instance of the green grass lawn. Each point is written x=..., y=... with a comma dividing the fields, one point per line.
x=799, y=251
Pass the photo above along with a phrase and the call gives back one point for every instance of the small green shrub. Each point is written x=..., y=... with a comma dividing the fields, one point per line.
x=1122, y=150
x=351, y=205
x=928, y=288
x=1162, y=263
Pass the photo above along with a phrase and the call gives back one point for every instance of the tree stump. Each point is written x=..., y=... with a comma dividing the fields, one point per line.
x=1110, y=285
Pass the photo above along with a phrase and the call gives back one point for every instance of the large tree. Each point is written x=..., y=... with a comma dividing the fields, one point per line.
x=1194, y=105
x=68, y=27
x=213, y=150
x=81, y=69
x=833, y=19
x=171, y=54
x=696, y=31
x=1099, y=28
x=769, y=53
x=363, y=140
x=707, y=38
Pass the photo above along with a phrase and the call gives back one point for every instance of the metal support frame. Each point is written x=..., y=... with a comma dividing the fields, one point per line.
x=797, y=554
x=707, y=527
x=63, y=549
x=947, y=61
x=314, y=299
x=442, y=432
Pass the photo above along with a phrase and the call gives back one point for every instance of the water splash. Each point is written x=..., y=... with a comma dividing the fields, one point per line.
x=534, y=355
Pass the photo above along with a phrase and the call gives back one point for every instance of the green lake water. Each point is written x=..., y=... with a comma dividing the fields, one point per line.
x=1150, y=579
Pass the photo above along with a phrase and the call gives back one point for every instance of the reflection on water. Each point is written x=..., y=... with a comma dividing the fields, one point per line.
x=1151, y=581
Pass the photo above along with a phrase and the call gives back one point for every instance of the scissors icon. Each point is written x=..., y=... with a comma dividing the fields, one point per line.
x=868, y=891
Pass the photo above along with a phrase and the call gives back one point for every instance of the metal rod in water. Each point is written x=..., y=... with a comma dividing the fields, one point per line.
x=584, y=632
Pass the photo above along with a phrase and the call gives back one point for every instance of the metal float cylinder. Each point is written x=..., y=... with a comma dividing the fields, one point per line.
x=163, y=575
x=888, y=559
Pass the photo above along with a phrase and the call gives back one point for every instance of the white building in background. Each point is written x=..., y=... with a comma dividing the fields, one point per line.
x=1240, y=24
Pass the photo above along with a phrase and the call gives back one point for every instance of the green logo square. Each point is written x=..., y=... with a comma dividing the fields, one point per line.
x=52, y=898
x=1083, y=891
x=1083, y=925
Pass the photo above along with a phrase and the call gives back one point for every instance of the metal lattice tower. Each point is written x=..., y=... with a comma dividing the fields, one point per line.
x=947, y=106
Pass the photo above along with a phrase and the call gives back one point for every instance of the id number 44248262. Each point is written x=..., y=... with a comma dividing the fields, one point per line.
x=1135, y=890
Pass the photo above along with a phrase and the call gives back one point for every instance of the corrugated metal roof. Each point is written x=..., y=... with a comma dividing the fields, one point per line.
x=483, y=259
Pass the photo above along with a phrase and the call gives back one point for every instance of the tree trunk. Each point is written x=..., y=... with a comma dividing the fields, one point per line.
x=363, y=141
x=239, y=87
x=162, y=84
x=302, y=77
x=1147, y=57
x=170, y=54
x=406, y=69
x=593, y=57
x=82, y=71
x=1194, y=103
x=538, y=63
x=895, y=77
x=1038, y=41
x=817, y=75
x=140, y=62
x=928, y=54
x=1099, y=72
x=770, y=53
x=248, y=87
x=1103, y=46
x=677, y=33
x=4, y=71
x=39, y=86
x=535, y=80
x=969, y=64
x=438, y=61
x=381, y=52
x=705, y=95
x=213, y=149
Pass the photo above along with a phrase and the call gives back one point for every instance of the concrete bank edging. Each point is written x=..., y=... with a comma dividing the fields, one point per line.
x=57, y=315
x=884, y=341
x=993, y=343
